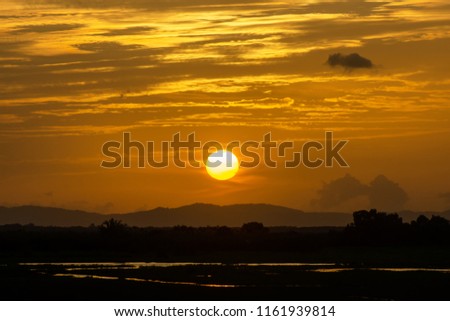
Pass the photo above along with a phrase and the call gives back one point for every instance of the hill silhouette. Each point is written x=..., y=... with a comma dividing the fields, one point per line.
x=195, y=215
x=48, y=216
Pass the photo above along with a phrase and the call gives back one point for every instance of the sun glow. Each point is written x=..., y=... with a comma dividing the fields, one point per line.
x=222, y=165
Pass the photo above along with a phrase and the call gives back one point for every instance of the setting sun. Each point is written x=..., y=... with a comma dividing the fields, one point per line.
x=222, y=165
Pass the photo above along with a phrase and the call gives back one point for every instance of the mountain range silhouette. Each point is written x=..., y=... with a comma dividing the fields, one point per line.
x=195, y=215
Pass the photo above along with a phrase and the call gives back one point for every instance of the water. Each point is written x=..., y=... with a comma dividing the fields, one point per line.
x=314, y=267
x=202, y=274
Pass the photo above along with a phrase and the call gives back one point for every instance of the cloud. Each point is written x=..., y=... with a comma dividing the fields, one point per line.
x=353, y=60
x=10, y=49
x=146, y=4
x=10, y=119
x=381, y=193
x=340, y=190
x=127, y=31
x=386, y=195
x=42, y=28
x=102, y=46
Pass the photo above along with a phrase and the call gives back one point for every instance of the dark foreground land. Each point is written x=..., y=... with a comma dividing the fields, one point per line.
x=378, y=257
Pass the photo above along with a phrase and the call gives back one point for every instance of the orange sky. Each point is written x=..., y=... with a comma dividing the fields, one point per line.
x=75, y=74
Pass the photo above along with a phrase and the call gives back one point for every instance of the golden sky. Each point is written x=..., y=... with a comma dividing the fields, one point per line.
x=77, y=73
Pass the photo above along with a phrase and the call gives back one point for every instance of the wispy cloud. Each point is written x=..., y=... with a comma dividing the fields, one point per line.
x=263, y=56
x=43, y=28
x=136, y=30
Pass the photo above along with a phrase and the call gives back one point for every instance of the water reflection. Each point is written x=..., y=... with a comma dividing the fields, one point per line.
x=411, y=270
x=194, y=273
x=84, y=276
x=316, y=267
x=168, y=264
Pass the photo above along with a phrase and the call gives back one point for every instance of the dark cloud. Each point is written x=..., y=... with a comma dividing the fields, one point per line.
x=10, y=48
x=147, y=4
x=127, y=31
x=340, y=190
x=12, y=17
x=337, y=29
x=42, y=28
x=386, y=195
x=382, y=193
x=328, y=7
x=101, y=46
x=353, y=60
x=51, y=73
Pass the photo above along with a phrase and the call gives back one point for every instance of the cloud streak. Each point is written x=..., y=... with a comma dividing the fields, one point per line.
x=43, y=28
x=136, y=30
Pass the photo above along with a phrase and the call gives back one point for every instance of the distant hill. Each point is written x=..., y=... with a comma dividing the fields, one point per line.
x=232, y=215
x=190, y=215
x=48, y=216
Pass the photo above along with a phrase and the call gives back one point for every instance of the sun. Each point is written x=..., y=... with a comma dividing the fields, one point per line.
x=222, y=165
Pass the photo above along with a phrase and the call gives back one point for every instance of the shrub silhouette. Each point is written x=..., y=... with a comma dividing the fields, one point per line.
x=376, y=228
x=113, y=226
x=431, y=231
x=373, y=220
x=253, y=227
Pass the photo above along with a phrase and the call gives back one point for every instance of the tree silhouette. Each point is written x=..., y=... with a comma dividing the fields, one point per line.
x=113, y=226
x=253, y=227
x=373, y=219
x=431, y=231
x=376, y=228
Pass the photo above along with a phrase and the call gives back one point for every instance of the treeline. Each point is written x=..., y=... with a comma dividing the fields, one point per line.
x=370, y=228
x=378, y=228
x=115, y=236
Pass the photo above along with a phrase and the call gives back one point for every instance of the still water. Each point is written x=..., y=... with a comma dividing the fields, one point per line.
x=202, y=274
